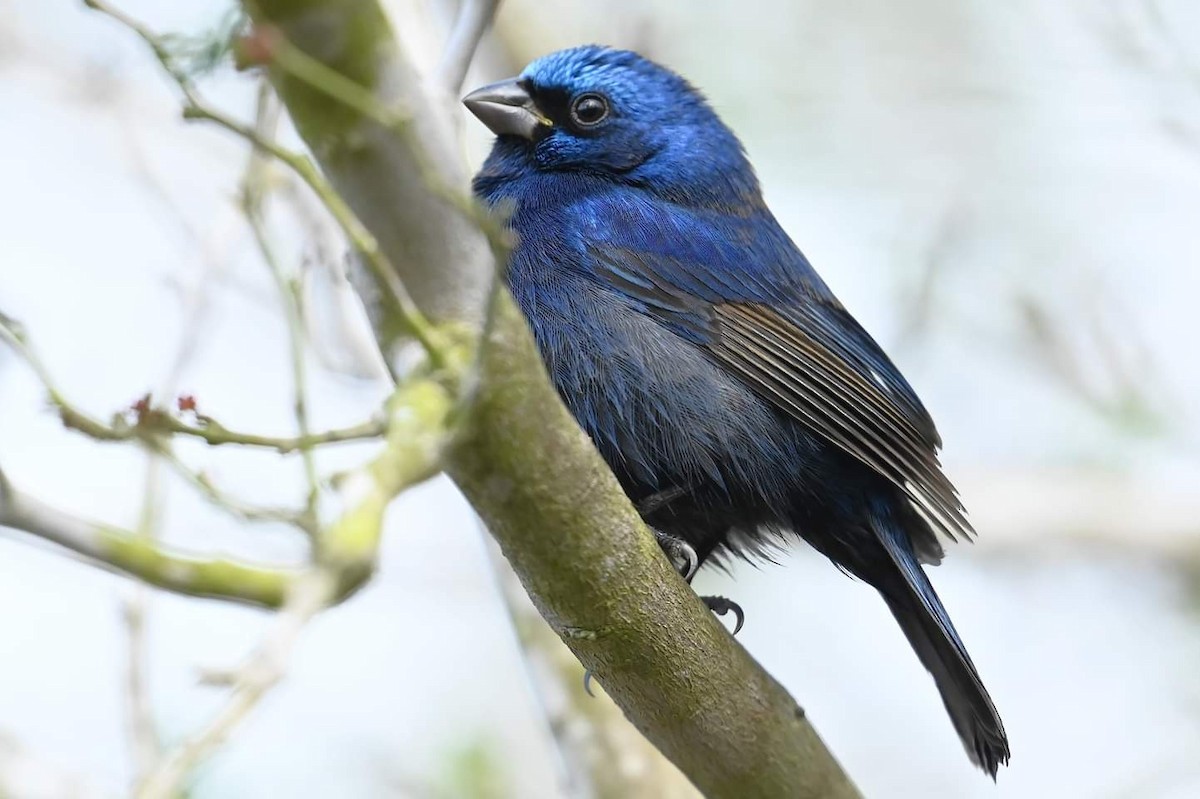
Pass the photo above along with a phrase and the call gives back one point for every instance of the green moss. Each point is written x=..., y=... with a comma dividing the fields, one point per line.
x=352, y=37
x=208, y=577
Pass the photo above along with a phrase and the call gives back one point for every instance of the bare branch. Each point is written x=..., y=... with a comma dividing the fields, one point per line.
x=311, y=593
x=215, y=434
x=473, y=19
x=126, y=551
x=246, y=511
x=253, y=196
x=152, y=423
x=418, y=412
x=402, y=305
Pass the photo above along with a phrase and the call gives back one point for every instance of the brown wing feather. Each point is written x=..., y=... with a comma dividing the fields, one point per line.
x=793, y=368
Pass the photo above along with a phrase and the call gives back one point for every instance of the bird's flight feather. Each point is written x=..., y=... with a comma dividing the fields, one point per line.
x=801, y=351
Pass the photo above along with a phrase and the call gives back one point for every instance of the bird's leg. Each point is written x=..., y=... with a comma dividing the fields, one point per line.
x=683, y=556
x=650, y=504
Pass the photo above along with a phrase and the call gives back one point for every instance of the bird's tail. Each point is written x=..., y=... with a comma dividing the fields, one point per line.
x=916, y=606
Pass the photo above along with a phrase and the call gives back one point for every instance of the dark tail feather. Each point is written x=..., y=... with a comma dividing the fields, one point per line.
x=916, y=606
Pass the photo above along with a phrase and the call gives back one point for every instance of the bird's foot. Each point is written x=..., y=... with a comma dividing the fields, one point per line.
x=720, y=606
x=681, y=554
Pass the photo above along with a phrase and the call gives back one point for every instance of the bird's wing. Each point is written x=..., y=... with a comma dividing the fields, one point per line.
x=779, y=328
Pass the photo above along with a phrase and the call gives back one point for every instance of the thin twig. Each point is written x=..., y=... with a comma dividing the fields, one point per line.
x=195, y=108
x=311, y=594
x=253, y=197
x=473, y=19
x=143, y=733
x=216, y=434
x=156, y=422
x=246, y=511
x=300, y=65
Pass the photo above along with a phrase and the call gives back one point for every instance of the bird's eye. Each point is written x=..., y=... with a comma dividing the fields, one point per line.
x=588, y=110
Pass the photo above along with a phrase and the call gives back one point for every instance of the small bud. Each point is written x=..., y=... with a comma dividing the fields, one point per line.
x=141, y=407
x=256, y=48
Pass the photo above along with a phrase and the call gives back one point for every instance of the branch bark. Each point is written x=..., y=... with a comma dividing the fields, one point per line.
x=347, y=547
x=474, y=16
x=126, y=551
x=589, y=564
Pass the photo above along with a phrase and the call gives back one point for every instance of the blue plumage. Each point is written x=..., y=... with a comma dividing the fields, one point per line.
x=733, y=396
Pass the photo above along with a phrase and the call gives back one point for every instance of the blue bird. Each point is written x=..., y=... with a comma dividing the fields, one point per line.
x=736, y=400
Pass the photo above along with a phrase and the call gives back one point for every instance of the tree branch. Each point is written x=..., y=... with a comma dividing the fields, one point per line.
x=590, y=565
x=152, y=423
x=403, y=308
x=597, y=575
x=128, y=552
x=602, y=754
x=473, y=19
x=418, y=410
x=253, y=200
x=311, y=593
x=413, y=225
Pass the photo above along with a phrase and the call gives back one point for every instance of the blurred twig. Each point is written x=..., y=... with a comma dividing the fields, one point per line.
x=195, y=107
x=246, y=511
x=25, y=775
x=143, y=732
x=1119, y=389
x=150, y=421
x=309, y=594
x=129, y=552
x=473, y=19
x=253, y=193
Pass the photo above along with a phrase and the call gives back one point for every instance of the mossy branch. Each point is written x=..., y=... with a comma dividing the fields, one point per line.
x=130, y=553
x=347, y=547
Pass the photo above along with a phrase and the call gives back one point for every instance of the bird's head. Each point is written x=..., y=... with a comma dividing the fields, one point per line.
x=615, y=114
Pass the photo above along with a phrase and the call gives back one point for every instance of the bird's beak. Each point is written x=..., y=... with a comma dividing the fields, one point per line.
x=508, y=110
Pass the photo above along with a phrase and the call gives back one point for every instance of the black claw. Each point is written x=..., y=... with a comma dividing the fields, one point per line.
x=720, y=606
x=587, y=683
x=681, y=554
x=691, y=563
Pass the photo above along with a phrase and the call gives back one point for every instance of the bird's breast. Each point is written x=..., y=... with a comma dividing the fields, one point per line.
x=659, y=410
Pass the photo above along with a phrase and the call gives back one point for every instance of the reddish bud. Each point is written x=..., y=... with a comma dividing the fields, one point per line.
x=141, y=406
x=256, y=48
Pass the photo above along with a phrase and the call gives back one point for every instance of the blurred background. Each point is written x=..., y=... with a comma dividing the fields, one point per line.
x=1006, y=194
